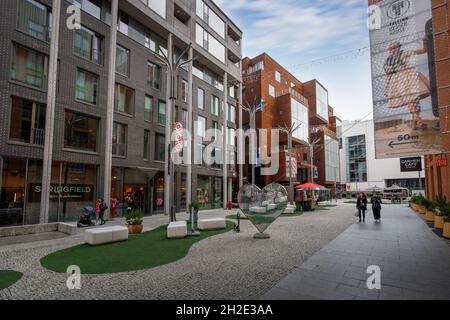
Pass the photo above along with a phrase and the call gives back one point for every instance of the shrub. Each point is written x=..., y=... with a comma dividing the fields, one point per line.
x=134, y=217
x=439, y=203
x=195, y=205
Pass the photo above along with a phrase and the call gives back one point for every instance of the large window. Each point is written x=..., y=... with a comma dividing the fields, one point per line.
x=119, y=143
x=148, y=109
x=215, y=105
x=201, y=99
x=159, y=6
x=123, y=61
x=231, y=136
x=146, y=144
x=184, y=90
x=331, y=159
x=154, y=75
x=93, y=7
x=299, y=115
x=356, y=159
x=322, y=102
x=86, y=87
x=209, y=43
x=88, y=45
x=160, y=147
x=80, y=132
x=27, y=121
x=231, y=113
x=278, y=76
x=34, y=19
x=162, y=113
x=211, y=18
x=124, y=100
x=272, y=91
x=201, y=126
x=29, y=66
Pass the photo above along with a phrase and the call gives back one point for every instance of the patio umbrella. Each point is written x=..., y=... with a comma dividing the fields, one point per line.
x=310, y=185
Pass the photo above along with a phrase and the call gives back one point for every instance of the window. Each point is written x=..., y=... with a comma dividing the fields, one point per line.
x=119, y=143
x=29, y=66
x=208, y=76
x=154, y=76
x=256, y=67
x=201, y=99
x=278, y=76
x=148, y=108
x=215, y=105
x=80, y=132
x=231, y=136
x=322, y=102
x=201, y=126
x=184, y=90
x=159, y=6
x=146, y=144
x=123, y=61
x=198, y=154
x=356, y=159
x=27, y=121
x=299, y=115
x=87, y=44
x=93, y=7
x=211, y=18
x=272, y=91
x=209, y=43
x=124, y=100
x=162, y=113
x=232, y=91
x=231, y=113
x=34, y=19
x=185, y=119
x=331, y=159
x=160, y=147
x=217, y=131
x=86, y=87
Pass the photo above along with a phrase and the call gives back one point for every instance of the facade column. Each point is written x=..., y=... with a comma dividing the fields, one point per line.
x=241, y=144
x=50, y=113
x=168, y=182
x=189, y=127
x=225, y=142
x=110, y=106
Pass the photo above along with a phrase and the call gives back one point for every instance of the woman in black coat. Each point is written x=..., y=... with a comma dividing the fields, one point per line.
x=361, y=205
x=376, y=207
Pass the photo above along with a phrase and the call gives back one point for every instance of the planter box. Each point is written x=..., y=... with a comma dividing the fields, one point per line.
x=421, y=209
x=439, y=222
x=429, y=216
x=446, y=232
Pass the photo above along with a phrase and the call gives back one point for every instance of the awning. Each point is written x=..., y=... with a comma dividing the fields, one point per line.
x=310, y=186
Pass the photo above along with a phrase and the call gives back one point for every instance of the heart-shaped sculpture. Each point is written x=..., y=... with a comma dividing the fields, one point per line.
x=262, y=207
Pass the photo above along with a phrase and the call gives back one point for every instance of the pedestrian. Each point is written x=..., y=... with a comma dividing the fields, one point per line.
x=130, y=204
x=361, y=205
x=97, y=210
x=114, y=205
x=376, y=207
x=102, y=208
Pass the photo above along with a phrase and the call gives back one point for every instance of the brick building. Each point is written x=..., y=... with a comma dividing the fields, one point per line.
x=208, y=92
x=288, y=101
x=437, y=166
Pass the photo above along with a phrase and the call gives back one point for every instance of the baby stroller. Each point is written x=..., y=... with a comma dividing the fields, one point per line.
x=87, y=218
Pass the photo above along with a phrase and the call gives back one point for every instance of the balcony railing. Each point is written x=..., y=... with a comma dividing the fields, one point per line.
x=294, y=93
x=37, y=136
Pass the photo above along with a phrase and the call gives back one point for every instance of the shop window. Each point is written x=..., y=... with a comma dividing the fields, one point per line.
x=27, y=121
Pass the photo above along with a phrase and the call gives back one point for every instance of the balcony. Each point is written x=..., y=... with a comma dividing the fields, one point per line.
x=234, y=46
x=37, y=136
x=295, y=94
x=182, y=28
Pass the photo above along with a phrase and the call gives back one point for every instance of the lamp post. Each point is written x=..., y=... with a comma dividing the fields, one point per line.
x=290, y=132
x=172, y=71
x=252, y=109
x=311, y=153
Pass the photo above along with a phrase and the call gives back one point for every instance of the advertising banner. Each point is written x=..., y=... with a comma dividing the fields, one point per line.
x=411, y=164
x=406, y=112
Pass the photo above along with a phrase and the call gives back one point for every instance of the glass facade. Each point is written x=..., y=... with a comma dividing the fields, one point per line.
x=299, y=115
x=331, y=159
x=322, y=102
x=356, y=159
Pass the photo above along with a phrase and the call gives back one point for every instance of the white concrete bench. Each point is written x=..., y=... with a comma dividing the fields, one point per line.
x=281, y=199
x=265, y=203
x=105, y=235
x=258, y=209
x=271, y=206
x=211, y=224
x=289, y=210
x=177, y=229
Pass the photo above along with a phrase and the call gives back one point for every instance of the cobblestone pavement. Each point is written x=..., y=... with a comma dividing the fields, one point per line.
x=226, y=266
x=414, y=262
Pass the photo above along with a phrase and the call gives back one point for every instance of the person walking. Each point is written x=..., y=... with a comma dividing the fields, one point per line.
x=102, y=207
x=97, y=210
x=361, y=205
x=376, y=208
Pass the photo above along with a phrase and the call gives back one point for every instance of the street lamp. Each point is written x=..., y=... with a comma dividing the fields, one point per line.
x=311, y=152
x=172, y=71
x=252, y=109
x=290, y=132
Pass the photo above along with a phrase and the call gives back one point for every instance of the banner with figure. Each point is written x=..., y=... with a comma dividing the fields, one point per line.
x=406, y=111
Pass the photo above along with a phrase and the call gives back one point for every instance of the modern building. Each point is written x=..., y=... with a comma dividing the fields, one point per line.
x=207, y=92
x=437, y=166
x=289, y=103
x=360, y=170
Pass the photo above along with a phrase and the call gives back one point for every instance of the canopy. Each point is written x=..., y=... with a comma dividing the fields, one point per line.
x=310, y=186
x=375, y=188
x=395, y=187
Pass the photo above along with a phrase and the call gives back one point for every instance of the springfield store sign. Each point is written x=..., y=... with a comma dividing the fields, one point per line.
x=69, y=192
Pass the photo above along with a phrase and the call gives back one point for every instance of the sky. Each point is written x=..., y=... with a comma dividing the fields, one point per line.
x=313, y=39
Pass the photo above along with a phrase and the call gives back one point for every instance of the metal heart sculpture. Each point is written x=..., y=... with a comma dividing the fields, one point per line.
x=262, y=207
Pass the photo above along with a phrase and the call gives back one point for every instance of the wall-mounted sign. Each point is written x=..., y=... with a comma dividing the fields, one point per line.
x=69, y=192
x=442, y=163
x=411, y=164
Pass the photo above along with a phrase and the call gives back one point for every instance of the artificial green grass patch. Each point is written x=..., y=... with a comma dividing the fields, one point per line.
x=8, y=278
x=143, y=251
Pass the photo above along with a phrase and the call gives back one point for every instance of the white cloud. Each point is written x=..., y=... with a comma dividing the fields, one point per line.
x=286, y=27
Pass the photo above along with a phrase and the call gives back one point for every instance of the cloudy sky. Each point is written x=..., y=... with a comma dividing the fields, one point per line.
x=313, y=39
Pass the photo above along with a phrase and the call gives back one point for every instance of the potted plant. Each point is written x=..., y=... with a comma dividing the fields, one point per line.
x=414, y=202
x=446, y=212
x=429, y=213
x=422, y=205
x=439, y=205
x=134, y=221
x=195, y=205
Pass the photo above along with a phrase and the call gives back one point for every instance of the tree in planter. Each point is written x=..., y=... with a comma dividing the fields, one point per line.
x=439, y=205
x=134, y=220
x=446, y=212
